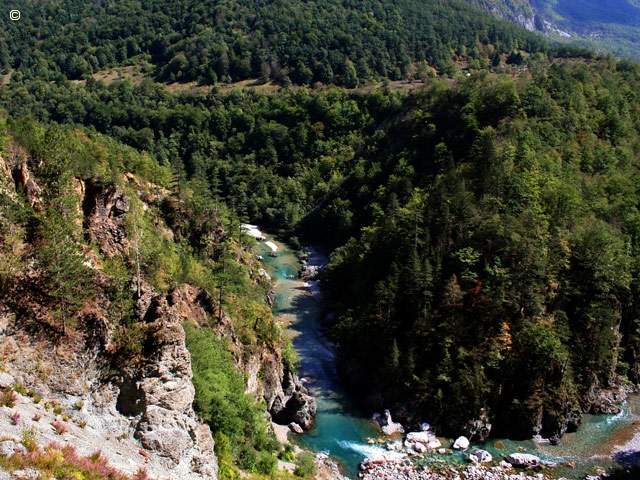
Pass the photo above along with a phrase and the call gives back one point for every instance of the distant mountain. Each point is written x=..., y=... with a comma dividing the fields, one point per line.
x=604, y=25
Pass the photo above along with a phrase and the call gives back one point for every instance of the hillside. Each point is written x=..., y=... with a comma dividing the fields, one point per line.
x=326, y=41
x=116, y=326
x=478, y=192
x=607, y=26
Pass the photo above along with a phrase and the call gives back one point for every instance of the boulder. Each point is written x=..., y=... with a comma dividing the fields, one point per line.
x=420, y=437
x=389, y=427
x=165, y=432
x=434, y=444
x=480, y=456
x=524, y=460
x=420, y=448
x=294, y=427
x=461, y=443
x=303, y=409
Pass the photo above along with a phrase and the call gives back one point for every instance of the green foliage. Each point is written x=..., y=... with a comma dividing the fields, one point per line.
x=497, y=241
x=207, y=42
x=236, y=418
x=69, y=280
x=305, y=465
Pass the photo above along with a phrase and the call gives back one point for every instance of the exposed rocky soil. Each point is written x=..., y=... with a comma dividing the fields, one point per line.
x=63, y=383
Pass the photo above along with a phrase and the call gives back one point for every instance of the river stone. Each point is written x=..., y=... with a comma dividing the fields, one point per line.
x=434, y=444
x=523, y=460
x=461, y=443
x=480, y=456
x=420, y=437
x=419, y=447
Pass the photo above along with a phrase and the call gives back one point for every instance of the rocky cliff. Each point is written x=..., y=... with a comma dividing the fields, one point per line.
x=138, y=414
x=131, y=377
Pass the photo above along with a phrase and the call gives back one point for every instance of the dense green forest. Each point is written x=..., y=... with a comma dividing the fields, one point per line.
x=495, y=258
x=327, y=41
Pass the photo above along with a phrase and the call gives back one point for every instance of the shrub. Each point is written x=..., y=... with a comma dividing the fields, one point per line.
x=15, y=418
x=19, y=388
x=8, y=398
x=28, y=440
x=59, y=427
x=306, y=465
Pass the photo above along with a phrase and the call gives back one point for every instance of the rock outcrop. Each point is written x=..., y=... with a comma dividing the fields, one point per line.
x=104, y=210
x=159, y=394
x=389, y=427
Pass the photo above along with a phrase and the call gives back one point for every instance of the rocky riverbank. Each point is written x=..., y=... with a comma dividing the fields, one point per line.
x=401, y=470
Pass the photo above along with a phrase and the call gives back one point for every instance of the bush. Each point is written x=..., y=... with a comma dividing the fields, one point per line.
x=8, y=398
x=306, y=465
x=236, y=418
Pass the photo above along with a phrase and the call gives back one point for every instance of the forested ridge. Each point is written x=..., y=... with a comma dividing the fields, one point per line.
x=495, y=259
x=484, y=225
x=327, y=41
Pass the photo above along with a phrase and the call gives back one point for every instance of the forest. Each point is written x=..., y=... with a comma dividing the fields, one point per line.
x=484, y=224
x=327, y=41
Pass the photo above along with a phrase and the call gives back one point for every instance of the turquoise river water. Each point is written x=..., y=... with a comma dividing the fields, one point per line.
x=341, y=430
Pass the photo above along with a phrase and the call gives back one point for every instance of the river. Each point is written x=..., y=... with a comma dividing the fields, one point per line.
x=341, y=429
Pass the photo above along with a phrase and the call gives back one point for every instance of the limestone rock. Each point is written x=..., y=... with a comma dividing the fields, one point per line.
x=420, y=437
x=294, y=427
x=104, y=210
x=420, y=448
x=5, y=380
x=7, y=448
x=24, y=182
x=480, y=456
x=461, y=443
x=303, y=409
x=523, y=460
x=165, y=432
x=389, y=427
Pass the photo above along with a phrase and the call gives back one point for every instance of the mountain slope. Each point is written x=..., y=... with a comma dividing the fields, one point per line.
x=612, y=25
x=326, y=41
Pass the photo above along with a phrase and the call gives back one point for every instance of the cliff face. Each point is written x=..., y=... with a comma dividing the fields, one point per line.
x=130, y=372
x=138, y=414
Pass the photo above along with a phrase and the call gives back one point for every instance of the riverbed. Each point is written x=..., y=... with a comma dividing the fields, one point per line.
x=342, y=431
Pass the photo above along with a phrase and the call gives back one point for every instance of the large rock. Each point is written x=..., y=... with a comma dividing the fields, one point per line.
x=389, y=427
x=22, y=177
x=480, y=456
x=303, y=409
x=104, y=209
x=160, y=392
x=420, y=437
x=523, y=460
x=461, y=443
x=165, y=432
